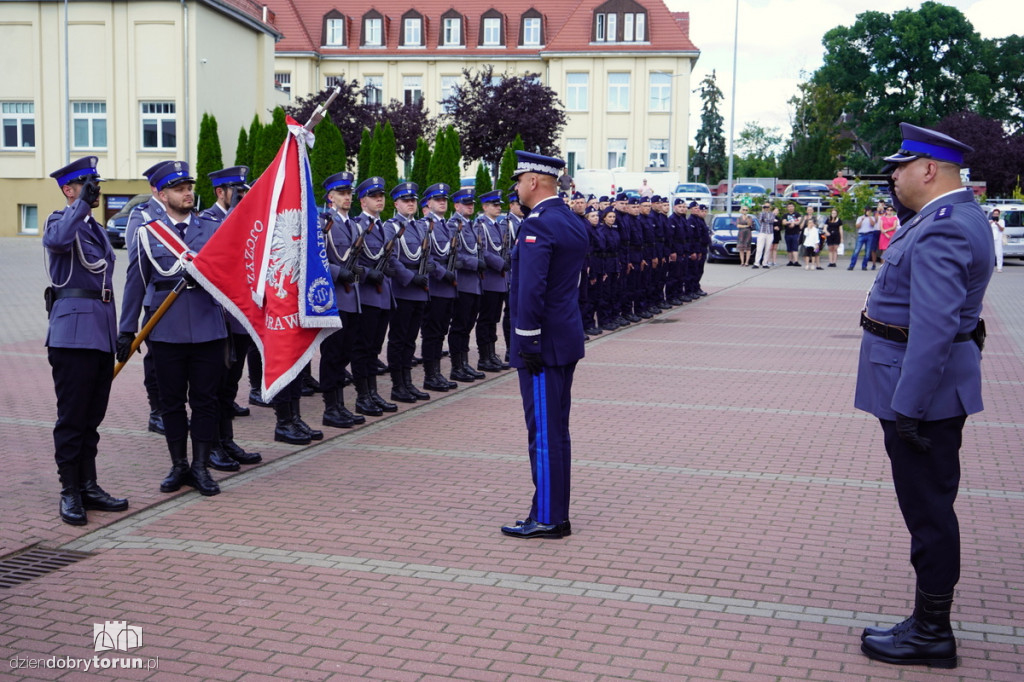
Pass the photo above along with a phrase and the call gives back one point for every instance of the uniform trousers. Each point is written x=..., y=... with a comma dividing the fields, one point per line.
x=464, y=314
x=547, y=398
x=229, y=384
x=190, y=372
x=366, y=346
x=149, y=378
x=634, y=298
x=506, y=324
x=405, y=327
x=81, y=380
x=436, y=322
x=487, y=320
x=336, y=352
x=926, y=487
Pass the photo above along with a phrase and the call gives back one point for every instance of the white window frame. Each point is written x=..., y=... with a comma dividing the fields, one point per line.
x=28, y=219
x=374, y=84
x=21, y=117
x=94, y=117
x=448, y=84
x=492, y=31
x=599, y=33
x=413, y=32
x=610, y=35
x=412, y=89
x=657, y=149
x=161, y=119
x=373, y=32
x=283, y=81
x=659, y=98
x=640, y=29
x=335, y=33
x=576, y=148
x=578, y=92
x=617, y=150
x=627, y=27
x=618, y=92
x=531, y=31
x=452, y=36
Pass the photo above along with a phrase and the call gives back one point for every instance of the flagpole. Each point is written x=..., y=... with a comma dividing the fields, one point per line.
x=148, y=327
x=321, y=110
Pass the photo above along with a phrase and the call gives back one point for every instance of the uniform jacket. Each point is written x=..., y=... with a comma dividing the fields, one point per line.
x=195, y=317
x=490, y=233
x=217, y=214
x=408, y=255
x=543, y=295
x=440, y=243
x=80, y=322
x=371, y=257
x=933, y=280
x=466, y=260
x=650, y=237
x=149, y=210
x=343, y=235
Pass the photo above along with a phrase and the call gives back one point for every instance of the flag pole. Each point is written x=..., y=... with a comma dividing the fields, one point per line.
x=321, y=110
x=148, y=327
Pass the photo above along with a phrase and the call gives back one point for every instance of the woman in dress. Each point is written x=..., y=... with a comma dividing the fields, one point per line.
x=744, y=228
x=889, y=224
x=833, y=236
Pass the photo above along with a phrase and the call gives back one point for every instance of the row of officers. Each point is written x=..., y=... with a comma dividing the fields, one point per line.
x=416, y=274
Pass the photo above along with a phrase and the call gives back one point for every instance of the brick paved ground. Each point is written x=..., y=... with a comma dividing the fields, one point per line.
x=733, y=515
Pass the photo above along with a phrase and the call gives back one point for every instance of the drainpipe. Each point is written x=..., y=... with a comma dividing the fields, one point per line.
x=188, y=144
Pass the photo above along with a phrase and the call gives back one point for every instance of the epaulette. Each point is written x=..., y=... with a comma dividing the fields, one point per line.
x=944, y=212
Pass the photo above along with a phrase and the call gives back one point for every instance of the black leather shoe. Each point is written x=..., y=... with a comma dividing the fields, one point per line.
x=334, y=418
x=256, y=399
x=665, y=305
x=347, y=414
x=95, y=497
x=633, y=318
x=435, y=382
x=399, y=393
x=156, y=423
x=532, y=529
x=609, y=327
x=381, y=368
x=239, y=410
x=644, y=314
x=71, y=510
x=926, y=638
x=592, y=331
x=237, y=453
x=220, y=461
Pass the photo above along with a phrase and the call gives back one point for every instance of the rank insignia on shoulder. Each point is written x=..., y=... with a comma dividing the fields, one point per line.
x=944, y=212
x=530, y=239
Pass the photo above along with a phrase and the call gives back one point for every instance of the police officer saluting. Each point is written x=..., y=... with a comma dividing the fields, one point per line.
x=81, y=338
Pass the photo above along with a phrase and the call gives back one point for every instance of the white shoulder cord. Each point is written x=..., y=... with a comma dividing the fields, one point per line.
x=437, y=247
x=148, y=248
x=462, y=238
x=95, y=267
x=405, y=248
x=485, y=222
x=366, y=247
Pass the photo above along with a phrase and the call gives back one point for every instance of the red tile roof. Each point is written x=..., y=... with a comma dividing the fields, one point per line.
x=566, y=26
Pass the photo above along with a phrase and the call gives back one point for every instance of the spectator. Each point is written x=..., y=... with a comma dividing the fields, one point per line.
x=565, y=183
x=811, y=239
x=865, y=238
x=833, y=236
x=744, y=227
x=776, y=236
x=998, y=233
x=765, y=234
x=791, y=226
x=645, y=189
x=889, y=223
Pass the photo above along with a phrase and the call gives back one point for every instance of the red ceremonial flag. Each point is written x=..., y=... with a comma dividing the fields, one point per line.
x=267, y=265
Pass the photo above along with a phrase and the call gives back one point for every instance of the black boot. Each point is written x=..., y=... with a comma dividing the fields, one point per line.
x=156, y=422
x=256, y=398
x=70, y=508
x=95, y=497
x=398, y=390
x=201, y=479
x=286, y=430
x=364, y=403
x=487, y=360
x=432, y=378
x=459, y=372
x=926, y=638
x=344, y=411
x=332, y=414
x=179, y=474
x=297, y=419
x=469, y=368
x=411, y=387
x=233, y=449
x=376, y=397
x=220, y=460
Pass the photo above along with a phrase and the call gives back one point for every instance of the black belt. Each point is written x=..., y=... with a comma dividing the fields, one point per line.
x=891, y=332
x=105, y=295
x=167, y=285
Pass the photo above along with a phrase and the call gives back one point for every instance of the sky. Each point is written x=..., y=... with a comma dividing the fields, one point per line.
x=780, y=46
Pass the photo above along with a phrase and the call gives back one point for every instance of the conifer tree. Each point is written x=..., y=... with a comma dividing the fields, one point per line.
x=270, y=140
x=508, y=164
x=421, y=165
x=255, y=128
x=242, y=157
x=328, y=155
x=208, y=159
x=482, y=183
x=365, y=157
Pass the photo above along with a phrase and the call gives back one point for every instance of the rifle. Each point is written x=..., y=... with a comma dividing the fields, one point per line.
x=357, y=246
x=389, y=248
x=425, y=251
x=453, y=250
x=481, y=243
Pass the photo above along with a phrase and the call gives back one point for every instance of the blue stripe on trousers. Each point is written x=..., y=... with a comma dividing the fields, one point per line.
x=540, y=417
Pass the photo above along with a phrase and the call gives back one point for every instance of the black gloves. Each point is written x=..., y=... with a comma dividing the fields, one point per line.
x=124, y=346
x=388, y=268
x=507, y=265
x=449, y=277
x=374, y=277
x=534, y=362
x=419, y=280
x=90, y=191
x=236, y=196
x=907, y=429
x=345, y=276
x=481, y=264
x=430, y=266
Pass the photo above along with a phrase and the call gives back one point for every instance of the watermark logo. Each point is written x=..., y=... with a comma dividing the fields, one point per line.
x=116, y=635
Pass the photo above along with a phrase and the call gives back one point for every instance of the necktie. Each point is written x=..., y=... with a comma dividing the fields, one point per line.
x=181, y=229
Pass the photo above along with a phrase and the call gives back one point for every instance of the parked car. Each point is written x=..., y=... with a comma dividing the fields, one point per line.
x=807, y=193
x=724, y=235
x=693, y=191
x=119, y=221
x=1012, y=216
x=752, y=195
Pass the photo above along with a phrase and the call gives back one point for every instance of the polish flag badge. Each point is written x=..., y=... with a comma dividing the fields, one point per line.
x=530, y=239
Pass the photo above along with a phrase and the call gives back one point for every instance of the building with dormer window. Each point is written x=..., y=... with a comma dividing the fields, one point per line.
x=621, y=67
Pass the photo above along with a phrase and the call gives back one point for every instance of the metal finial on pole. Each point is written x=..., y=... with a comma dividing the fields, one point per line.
x=321, y=110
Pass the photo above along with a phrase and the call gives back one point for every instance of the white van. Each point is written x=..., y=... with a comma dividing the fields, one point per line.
x=596, y=181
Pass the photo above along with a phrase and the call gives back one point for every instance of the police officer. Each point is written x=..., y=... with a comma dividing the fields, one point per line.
x=701, y=241
x=920, y=375
x=336, y=349
x=438, y=315
x=681, y=255
x=470, y=267
x=548, y=338
x=595, y=276
x=374, y=296
x=230, y=185
x=512, y=221
x=411, y=285
x=495, y=248
x=188, y=341
x=81, y=337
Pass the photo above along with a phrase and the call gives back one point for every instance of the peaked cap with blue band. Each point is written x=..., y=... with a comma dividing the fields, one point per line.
x=528, y=162
x=342, y=180
x=438, y=190
x=492, y=197
x=463, y=196
x=148, y=173
x=921, y=142
x=405, y=190
x=169, y=174
x=372, y=185
x=79, y=169
x=233, y=175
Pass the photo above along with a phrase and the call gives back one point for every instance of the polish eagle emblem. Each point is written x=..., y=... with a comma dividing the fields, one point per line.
x=285, y=251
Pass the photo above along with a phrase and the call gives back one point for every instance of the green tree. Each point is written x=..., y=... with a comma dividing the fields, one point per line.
x=482, y=183
x=270, y=140
x=710, y=153
x=508, y=164
x=809, y=157
x=421, y=164
x=385, y=161
x=208, y=159
x=327, y=156
x=365, y=158
x=454, y=160
x=854, y=200
x=255, y=128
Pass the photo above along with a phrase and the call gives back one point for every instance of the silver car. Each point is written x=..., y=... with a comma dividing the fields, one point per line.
x=1012, y=216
